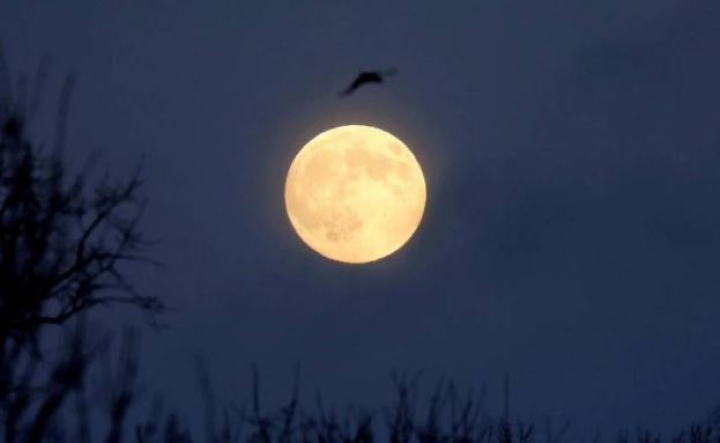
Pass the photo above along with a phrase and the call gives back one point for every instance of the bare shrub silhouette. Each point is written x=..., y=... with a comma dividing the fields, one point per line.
x=446, y=417
x=64, y=247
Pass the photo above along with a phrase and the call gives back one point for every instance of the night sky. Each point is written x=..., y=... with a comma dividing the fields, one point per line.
x=571, y=237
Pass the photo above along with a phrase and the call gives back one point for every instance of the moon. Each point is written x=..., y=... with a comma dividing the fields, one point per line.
x=355, y=194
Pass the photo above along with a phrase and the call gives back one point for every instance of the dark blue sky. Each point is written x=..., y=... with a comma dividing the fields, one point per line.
x=572, y=155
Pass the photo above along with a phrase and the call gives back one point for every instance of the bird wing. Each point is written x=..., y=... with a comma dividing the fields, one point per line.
x=367, y=77
x=345, y=92
x=359, y=80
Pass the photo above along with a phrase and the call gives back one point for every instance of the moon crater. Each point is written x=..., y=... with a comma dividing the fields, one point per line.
x=355, y=194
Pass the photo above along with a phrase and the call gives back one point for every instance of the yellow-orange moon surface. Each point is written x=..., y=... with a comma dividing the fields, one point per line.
x=355, y=194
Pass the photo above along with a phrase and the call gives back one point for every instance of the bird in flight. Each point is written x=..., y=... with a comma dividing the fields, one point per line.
x=367, y=77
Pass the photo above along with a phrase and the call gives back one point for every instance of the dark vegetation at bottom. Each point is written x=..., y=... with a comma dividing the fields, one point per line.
x=90, y=393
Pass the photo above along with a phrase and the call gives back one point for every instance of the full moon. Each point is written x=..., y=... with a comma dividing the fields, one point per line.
x=355, y=194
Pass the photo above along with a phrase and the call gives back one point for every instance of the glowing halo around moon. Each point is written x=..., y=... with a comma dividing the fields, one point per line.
x=355, y=194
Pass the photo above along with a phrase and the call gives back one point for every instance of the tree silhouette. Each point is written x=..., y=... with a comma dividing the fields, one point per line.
x=65, y=244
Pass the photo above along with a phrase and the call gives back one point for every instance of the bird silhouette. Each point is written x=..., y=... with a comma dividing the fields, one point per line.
x=367, y=77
